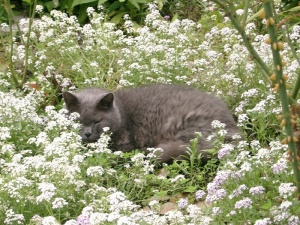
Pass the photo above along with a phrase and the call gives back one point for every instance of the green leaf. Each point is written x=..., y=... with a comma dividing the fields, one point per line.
x=114, y=6
x=49, y=5
x=161, y=193
x=134, y=2
x=266, y=206
x=117, y=18
x=191, y=189
x=160, y=5
x=28, y=1
x=83, y=14
x=254, y=16
x=142, y=1
x=80, y=2
x=121, y=0
x=101, y=1
x=297, y=208
x=135, y=26
x=297, y=8
x=175, y=17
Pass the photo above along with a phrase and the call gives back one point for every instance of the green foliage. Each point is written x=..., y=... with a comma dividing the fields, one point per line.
x=115, y=10
x=12, y=5
x=288, y=4
x=71, y=7
x=3, y=14
x=48, y=176
x=192, y=10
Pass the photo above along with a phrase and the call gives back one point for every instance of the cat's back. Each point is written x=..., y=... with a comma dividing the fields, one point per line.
x=170, y=99
x=158, y=93
x=166, y=109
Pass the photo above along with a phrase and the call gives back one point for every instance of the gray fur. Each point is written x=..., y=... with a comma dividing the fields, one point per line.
x=165, y=116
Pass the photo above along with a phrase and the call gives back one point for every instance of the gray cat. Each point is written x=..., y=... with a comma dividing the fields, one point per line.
x=165, y=116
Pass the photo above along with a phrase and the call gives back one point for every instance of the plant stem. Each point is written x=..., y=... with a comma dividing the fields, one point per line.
x=230, y=12
x=244, y=19
x=296, y=88
x=27, y=44
x=10, y=65
x=297, y=85
x=282, y=93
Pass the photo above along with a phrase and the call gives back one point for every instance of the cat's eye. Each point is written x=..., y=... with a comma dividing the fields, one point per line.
x=97, y=122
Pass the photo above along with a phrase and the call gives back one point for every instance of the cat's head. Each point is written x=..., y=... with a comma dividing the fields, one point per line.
x=97, y=109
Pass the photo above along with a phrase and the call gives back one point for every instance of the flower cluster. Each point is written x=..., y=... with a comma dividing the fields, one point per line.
x=44, y=164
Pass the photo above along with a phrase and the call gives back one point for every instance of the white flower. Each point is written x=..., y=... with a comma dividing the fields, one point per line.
x=154, y=152
x=257, y=190
x=222, y=133
x=116, y=198
x=90, y=10
x=138, y=159
x=216, y=211
x=175, y=217
x=95, y=171
x=71, y=222
x=199, y=194
x=182, y=203
x=216, y=124
x=4, y=133
x=280, y=166
x=77, y=67
x=255, y=144
x=242, y=118
x=250, y=93
x=225, y=150
x=39, y=9
x=48, y=191
x=49, y=220
x=96, y=218
x=244, y=203
x=231, y=213
x=238, y=191
x=285, y=205
x=246, y=166
x=264, y=221
x=177, y=178
x=59, y=203
x=263, y=153
x=13, y=218
x=286, y=189
x=7, y=149
x=153, y=202
x=125, y=220
x=239, y=12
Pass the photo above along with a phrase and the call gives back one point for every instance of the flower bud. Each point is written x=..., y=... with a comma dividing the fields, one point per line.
x=276, y=88
x=262, y=14
x=280, y=45
x=285, y=77
x=270, y=22
x=283, y=123
x=273, y=77
x=268, y=40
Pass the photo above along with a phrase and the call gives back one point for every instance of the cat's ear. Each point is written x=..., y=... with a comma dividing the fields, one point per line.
x=72, y=102
x=106, y=101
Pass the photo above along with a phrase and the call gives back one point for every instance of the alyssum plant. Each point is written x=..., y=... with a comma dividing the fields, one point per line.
x=276, y=77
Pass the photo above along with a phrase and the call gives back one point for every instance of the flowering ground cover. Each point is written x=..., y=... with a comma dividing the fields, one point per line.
x=48, y=176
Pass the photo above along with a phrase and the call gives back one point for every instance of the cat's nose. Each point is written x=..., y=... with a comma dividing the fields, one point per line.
x=88, y=133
